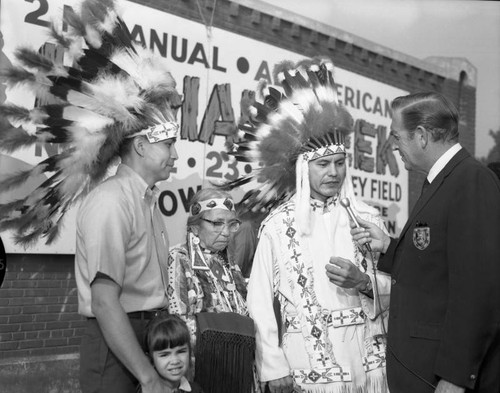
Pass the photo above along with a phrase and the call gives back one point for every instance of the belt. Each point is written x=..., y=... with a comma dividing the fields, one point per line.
x=149, y=314
x=337, y=318
x=144, y=315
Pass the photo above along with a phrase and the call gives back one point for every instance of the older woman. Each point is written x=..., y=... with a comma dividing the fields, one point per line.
x=205, y=281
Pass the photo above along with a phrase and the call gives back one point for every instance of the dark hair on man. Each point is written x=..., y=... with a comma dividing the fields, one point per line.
x=125, y=147
x=430, y=110
x=167, y=331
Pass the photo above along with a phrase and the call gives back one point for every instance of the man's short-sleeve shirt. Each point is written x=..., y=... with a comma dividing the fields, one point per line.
x=114, y=236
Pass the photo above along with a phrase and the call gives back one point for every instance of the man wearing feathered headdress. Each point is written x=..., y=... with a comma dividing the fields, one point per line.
x=328, y=333
x=117, y=100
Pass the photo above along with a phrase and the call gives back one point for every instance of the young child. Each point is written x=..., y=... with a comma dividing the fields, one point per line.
x=169, y=347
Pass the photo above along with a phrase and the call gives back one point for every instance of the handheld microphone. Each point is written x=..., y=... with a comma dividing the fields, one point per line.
x=347, y=204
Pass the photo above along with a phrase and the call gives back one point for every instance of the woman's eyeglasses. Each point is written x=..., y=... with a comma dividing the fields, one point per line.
x=233, y=226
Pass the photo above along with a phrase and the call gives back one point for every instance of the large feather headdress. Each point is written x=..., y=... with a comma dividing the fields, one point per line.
x=113, y=90
x=300, y=122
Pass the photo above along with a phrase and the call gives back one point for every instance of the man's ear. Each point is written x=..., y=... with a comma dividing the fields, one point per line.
x=138, y=143
x=423, y=136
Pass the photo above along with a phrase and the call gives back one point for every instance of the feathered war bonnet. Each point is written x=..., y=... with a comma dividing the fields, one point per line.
x=293, y=125
x=114, y=90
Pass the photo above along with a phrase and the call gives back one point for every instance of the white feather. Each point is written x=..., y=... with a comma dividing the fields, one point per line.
x=76, y=49
x=116, y=96
x=329, y=66
x=109, y=22
x=86, y=152
x=326, y=94
x=87, y=119
x=146, y=68
x=253, y=111
x=37, y=116
x=288, y=109
x=264, y=130
x=93, y=37
x=306, y=100
x=254, y=152
x=73, y=185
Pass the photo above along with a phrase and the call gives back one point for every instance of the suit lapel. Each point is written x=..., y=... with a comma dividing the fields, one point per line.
x=433, y=187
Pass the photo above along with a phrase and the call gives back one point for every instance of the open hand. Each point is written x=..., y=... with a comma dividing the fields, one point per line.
x=345, y=274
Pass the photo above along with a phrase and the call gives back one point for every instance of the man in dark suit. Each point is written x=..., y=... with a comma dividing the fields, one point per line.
x=444, y=324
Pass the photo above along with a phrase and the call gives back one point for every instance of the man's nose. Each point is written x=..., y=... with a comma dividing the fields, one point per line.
x=173, y=153
x=332, y=169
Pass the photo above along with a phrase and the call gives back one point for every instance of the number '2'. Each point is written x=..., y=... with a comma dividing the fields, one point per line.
x=34, y=17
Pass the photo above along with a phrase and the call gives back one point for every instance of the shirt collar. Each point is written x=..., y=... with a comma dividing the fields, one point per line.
x=442, y=161
x=185, y=385
x=326, y=206
x=138, y=183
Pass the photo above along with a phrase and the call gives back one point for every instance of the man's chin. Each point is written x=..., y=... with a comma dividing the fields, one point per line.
x=330, y=193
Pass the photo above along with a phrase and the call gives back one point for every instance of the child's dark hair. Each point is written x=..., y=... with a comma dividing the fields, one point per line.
x=166, y=331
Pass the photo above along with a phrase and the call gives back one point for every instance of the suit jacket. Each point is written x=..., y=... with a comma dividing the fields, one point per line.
x=444, y=321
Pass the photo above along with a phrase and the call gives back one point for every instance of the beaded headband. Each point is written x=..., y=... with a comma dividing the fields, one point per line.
x=210, y=204
x=324, y=151
x=160, y=132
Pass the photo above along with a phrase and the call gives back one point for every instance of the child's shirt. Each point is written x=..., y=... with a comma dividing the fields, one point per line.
x=188, y=387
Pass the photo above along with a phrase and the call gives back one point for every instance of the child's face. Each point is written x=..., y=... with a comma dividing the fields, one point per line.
x=172, y=363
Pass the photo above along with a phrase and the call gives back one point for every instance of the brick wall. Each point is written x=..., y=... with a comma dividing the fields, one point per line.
x=38, y=307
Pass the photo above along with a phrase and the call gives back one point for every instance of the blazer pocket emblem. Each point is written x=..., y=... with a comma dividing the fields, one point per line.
x=421, y=236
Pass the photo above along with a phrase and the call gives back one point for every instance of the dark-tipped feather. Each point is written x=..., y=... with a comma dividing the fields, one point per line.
x=282, y=66
x=15, y=180
x=15, y=113
x=12, y=138
x=94, y=62
x=6, y=209
x=27, y=240
x=60, y=38
x=74, y=20
x=16, y=76
x=53, y=134
x=52, y=234
x=31, y=59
